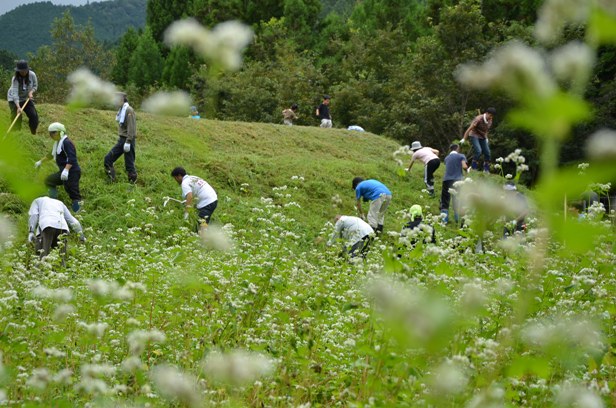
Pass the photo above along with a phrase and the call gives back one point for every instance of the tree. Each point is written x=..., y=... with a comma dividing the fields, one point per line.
x=123, y=54
x=72, y=47
x=161, y=13
x=300, y=17
x=177, y=70
x=146, y=63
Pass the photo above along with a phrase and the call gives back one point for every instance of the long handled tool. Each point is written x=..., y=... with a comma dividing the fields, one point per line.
x=167, y=199
x=17, y=117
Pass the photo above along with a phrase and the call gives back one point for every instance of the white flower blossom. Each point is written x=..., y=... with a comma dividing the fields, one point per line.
x=175, y=103
x=176, y=385
x=237, y=367
x=601, y=145
x=138, y=339
x=216, y=238
x=89, y=90
x=573, y=62
x=554, y=15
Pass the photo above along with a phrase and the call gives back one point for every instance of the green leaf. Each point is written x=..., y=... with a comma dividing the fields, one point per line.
x=601, y=27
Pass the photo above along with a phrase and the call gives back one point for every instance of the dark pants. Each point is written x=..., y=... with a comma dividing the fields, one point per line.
x=71, y=185
x=205, y=213
x=431, y=167
x=48, y=239
x=361, y=247
x=446, y=198
x=30, y=111
x=129, y=159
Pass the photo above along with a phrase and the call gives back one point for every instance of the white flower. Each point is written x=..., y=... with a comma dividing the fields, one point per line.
x=223, y=45
x=515, y=68
x=554, y=15
x=174, y=384
x=216, y=238
x=573, y=62
x=175, y=103
x=577, y=396
x=89, y=90
x=62, y=294
x=601, y=145
x=237, y=367
x=6, y=230
x=39, y=378
x=138, y=339
x=62, y=311
x=448, y=379
x=97, y=329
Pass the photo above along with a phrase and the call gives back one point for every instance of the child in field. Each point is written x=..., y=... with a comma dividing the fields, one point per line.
x=356, y=233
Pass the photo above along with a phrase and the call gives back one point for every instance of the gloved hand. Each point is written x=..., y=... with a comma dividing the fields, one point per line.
x=82, y=238
x=31, y=237
x=462, y=141
x=64, y=175
x=126, y=147
x=185, y=215
x=38, y=164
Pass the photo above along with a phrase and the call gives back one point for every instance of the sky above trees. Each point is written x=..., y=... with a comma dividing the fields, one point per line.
x=8, y=5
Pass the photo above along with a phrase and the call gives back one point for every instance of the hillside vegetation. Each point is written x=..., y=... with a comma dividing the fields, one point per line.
x=33, y=22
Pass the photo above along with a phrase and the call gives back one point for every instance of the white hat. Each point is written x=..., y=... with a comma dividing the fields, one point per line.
x=415, y=145
x=57, y=127
x=509, y=186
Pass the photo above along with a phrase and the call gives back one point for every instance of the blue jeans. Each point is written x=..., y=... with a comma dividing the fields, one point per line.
x=480, y=146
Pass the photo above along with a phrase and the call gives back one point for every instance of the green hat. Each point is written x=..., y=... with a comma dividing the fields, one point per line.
x=416, y=211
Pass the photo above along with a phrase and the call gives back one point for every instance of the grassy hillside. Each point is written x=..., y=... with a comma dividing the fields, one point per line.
x=242, y=161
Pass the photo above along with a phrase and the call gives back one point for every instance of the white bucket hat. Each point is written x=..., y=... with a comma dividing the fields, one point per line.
x=415, y=145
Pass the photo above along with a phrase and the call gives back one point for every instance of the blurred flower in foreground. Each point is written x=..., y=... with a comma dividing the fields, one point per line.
x=515, y=68
x=223, y=45
x=448, y=379
x=573, y=62
x=237, y=367
x=6, y=230
x=217, y=238
x=168, y=103
x=138, y=339
x=568, y=395
x=601, y=145
x=174, y=384
x=554, y=15
x=90, y=90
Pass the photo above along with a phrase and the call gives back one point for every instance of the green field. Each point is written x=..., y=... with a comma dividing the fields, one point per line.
x=146, y=314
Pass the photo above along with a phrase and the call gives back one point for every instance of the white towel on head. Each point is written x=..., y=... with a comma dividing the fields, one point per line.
x=122, y=113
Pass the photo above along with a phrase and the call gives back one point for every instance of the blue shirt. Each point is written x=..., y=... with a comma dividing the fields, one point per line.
x=453, y=166
x=371, y=190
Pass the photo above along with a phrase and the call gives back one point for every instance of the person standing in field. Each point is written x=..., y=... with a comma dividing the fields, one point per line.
x=477, y=133
x=196, y=191
x=127, y=133
x=322, y=112
x=429, y=157
x=48, y=223
x=356, y=233
x=23, y=86
x=455, y=164
x=290, y=114
x=378, y=195
x=69, y=172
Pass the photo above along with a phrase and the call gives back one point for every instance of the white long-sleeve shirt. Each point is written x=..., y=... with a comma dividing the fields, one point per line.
x=48, y=212
x=351, y=229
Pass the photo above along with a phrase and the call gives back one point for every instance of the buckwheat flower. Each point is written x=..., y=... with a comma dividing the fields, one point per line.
x=88, y=89
x=223, y=45
x=448, y=379
x=237, y=367
x=3, y=398
x=176, y=385
x=499, y=160
x=62, y=311
x=569, y=395
x=139, y=339
x=61, y=295
x=54, y=352
x=554, y=15
x=97, y=329
x=7, y=230
x=215, y=237
x=175, y=103
x=601, y=145
x=515, y=68
x=132, y=364
x=101, y=288
x=63, y=376
x=39, y=379
x=573, y=62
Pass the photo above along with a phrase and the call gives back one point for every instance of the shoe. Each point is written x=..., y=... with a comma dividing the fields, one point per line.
x=132, y=178
x=76, y=206
x=111, y=174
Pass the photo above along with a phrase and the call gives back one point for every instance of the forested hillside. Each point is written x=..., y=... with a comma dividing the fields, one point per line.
x=27, y=27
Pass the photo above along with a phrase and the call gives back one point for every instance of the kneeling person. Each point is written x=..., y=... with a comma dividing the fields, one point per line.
x=356, y=232
x=198, y=190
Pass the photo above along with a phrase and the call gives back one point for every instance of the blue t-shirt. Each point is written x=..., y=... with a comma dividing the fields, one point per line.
x=453, y=166
x=371, y=190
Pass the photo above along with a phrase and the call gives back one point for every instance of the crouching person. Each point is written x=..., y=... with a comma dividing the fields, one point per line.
x=48, y=223
x=415, y=229
x=356, y=233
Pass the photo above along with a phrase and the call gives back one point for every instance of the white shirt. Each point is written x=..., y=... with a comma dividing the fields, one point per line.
x=202, y=192
x=48, y=212
x=350, y=228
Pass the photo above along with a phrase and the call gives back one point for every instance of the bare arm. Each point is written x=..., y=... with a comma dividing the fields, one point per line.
x=464, y=165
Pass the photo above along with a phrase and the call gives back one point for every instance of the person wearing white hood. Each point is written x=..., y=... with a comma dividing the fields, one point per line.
x=127, y=132
x=69, y=172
